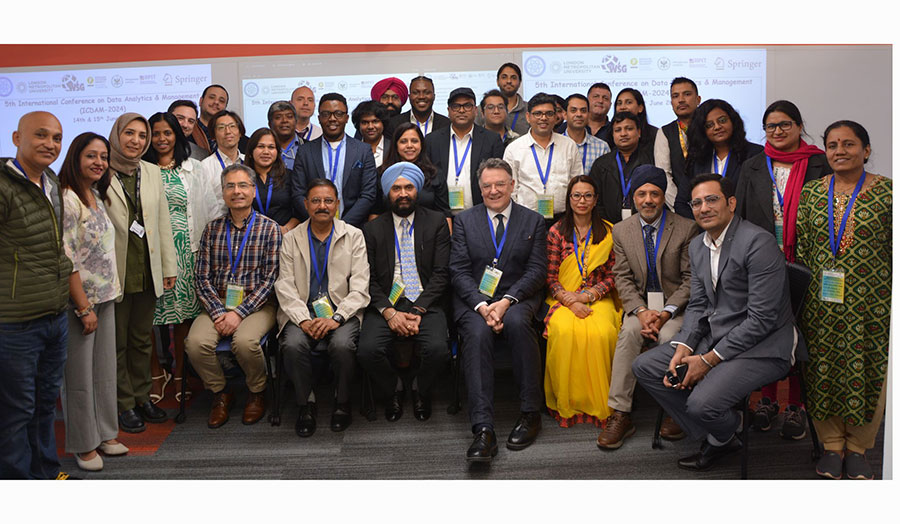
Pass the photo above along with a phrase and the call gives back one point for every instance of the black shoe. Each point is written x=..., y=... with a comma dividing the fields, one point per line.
x=306, y=422
x=152, y=413
x=131, y=422
x=340, y=418
x=421, y=405
x=525, y=431
x=709, y=454
x=394, y=408
x=483, y=448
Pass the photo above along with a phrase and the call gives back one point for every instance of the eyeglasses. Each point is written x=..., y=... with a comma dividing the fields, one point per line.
x=579, y=196
x=240, y=185
x=722, y=120
x=543, y=114
x=785, y=126
x=468, y=106
x=490, y=108
x=318, y=201
x=222, y=127
x=709, y=199
x=326, y=115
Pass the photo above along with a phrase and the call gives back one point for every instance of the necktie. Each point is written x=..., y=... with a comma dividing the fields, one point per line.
x=413, y=288
x=500, y=229
x=649, y=246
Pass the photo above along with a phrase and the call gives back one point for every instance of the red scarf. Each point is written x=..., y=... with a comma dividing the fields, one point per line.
x=799, y=160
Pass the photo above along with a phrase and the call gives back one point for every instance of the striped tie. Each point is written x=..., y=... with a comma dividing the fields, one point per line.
x=413, y=288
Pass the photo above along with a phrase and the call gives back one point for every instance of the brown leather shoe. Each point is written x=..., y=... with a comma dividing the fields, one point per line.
x=218, y=415
x=618, y=428
x=255, y=408
x=670, y=430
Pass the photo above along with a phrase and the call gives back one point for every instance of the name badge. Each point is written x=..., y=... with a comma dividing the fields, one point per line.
x=656, y=300
x=322, y=307
x=234, y=295
x=832, y=286
x=457, y=198
x=489, y=280
x=626, y=213
x=545, y=205
x=779, y=232
x=396, y=291
x=137, y=229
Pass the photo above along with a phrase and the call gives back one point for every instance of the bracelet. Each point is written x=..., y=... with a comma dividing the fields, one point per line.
x=81, y=313
x=392, y=316
x=703, y=358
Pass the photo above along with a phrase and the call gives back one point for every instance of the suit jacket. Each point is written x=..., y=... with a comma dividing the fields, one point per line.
x=431, y=239
x=523, y=260
x=485, y=144
x=673, y=263
x=438, y=122
x=605, y=173
x=157, y=227
x=358, y=179
x=348, y=274
x=748, y=315
x=754, y=189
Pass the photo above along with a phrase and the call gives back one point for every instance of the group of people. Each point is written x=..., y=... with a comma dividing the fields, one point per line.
x=640, y=254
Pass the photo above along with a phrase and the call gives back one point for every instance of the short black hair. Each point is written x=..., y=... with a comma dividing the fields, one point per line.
x=421, y=77
x=727, y=184
x=182, y=103
x=626, y=115
x=227, y=96
x=215, y=118
x=370, y=107
x=857, y=129
x=494, y=92
x=327, y=97
x=684, y=80
x=317, y=182
x=540, y=99
x=560, y=101
x=578, y=96
x=514, y=67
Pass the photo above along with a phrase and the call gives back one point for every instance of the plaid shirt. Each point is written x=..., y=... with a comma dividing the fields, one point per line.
x=256, y=271
x=594, y=147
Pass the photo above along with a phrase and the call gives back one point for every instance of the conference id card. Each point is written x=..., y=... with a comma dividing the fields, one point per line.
x=137, y=229
x=322, y=307
x=545, y=206
x=396, y=291
x=457, y=198
x=656, y=300
x=626, y=214
x=489, y=281
x=779, y=232
x=234, y=295
x=832, y=286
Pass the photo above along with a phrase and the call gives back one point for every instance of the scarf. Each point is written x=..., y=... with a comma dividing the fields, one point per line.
x=799, y=160
x=117, y=160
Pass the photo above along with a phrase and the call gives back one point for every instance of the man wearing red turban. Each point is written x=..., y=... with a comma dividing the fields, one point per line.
x=391, y=92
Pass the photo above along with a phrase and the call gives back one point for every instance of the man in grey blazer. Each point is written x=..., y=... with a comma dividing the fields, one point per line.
x=654, y=304
x=738, y=331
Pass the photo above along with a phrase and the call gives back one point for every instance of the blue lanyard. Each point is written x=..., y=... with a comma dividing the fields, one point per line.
x=459, y=165
x=835, y=244
x=425, y=132
x=493, y=235
x=288, y=148
x=724, y=164
x=659, y=231
x=19, y=167
x=397, y=243
x=308, y=133
x=265, y=210
x=774, y=183
x=544, y=176
x=333, y=163
x=513, y=126
x=231, y=260
x=221, y=162
x=583, y=148
x=505, y=134
x=625, y=189
x=587, y=240
x=312, y=253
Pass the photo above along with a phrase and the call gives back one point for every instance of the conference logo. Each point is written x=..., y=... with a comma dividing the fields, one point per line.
x=21, y=87
x=611, y=64
x=117, y=81
x=663, y=64
x=251, y=89
x=6, y=86
x=555, y=67
x=71, y=83
x=535, y=66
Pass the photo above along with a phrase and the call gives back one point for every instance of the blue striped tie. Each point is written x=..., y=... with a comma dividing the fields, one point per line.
x=413, y=288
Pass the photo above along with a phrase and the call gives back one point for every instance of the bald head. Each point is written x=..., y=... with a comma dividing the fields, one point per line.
x=304, y=101
x=38, y=140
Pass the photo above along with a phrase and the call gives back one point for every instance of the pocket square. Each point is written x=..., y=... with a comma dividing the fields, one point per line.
x=358, y=164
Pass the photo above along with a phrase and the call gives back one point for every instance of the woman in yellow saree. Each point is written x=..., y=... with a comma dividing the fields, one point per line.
x=585, y=313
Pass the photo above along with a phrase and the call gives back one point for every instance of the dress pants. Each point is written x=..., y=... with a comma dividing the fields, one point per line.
x=297, y=348
x=200, y=346
x=134, y=320
x=836, y=435
x=708, y=409
x=377, y=340
x=478, y=341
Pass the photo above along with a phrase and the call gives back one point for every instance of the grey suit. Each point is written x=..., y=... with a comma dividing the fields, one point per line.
x=747, y=319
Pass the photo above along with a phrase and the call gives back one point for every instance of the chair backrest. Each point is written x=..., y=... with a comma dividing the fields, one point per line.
x=799, y=278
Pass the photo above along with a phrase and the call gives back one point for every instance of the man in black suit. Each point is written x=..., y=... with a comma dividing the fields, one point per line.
x=347, y=162
x=474, y=144
x=408, y=249
x=498, y=266
x=421, y=101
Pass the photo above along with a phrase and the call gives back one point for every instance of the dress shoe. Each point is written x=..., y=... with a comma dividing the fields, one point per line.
x=94, y=464
x=341, y=418
x=670, y=430
x=709, y=454
x=255, y=408
x=618, y=428
x=421, y=405
x=306, y=421
x=131, y=422
x=483, y=448
x=394, y=408
x=218, y=415
x=113, y=449
x=152, y=413
x=525, y=431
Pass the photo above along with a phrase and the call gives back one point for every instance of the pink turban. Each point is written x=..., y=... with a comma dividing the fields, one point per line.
x=394, y=84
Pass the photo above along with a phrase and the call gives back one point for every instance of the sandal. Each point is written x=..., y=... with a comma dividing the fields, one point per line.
x=166, y=377
x=187, y=392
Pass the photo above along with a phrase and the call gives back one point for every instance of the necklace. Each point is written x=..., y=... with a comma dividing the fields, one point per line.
x=170, y=165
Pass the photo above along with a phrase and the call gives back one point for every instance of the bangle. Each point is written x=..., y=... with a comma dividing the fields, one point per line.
x=81, y=313
x=703, y=358
x=392, y=316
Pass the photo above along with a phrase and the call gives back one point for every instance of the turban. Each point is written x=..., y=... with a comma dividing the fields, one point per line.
x=394, y=84
x=406, y=170
x=648, y=174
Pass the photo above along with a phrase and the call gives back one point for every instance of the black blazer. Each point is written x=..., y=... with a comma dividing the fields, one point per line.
x=485, y=144
x=754, y=188
x=431, y=237
x=358, y=180
x=733, y=169
x=438, y=122
x=523, y=260
x=605, y=173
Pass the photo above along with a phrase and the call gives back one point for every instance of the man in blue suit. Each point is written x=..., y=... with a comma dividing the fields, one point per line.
x=347, y=162
x=498, y=266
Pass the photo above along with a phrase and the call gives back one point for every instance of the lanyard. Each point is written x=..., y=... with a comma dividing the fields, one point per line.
x=288, y=148
x=459, y=165
x=221, y=162
x=308, y=133
x=544, y=176
x=19, y=167
x=725, y=164
x=583, y=148
x=493, y=235
x=312, y=253
x=774, y=183
x=505, y=134
x=625, y=189
x=835, y=244
x=513, y=126
x=265, y=210
x=659, y=231
x=333, y=163
x=137, y=192
x=425, y=132
x=397, y=243
x=587, y=240
x=233, y=262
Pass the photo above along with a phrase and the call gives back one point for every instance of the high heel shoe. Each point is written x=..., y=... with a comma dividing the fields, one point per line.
x=166, y=377
x=187, y=392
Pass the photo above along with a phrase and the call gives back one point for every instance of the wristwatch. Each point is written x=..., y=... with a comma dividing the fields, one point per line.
x=338, y=318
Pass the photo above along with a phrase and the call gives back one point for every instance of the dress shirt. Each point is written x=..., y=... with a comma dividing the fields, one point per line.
x=465, y=169
x=211, y=167
x=310, y=133
x=494, y=223
x=379, y=152
x=425, y=128
x=566, y=165
x=289, y=154
x=399, y=232
x=590, y=149
x=671, y=308
x=339, y=168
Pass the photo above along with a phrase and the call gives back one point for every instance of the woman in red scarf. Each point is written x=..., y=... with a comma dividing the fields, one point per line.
x=768, y=194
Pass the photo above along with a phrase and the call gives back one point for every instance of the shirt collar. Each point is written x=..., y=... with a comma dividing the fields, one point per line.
x=469, y=134
x=554, y=138
x=655, y=223
x=506, y=213
x=715, y=245
x=414, y=120
x=397, y=219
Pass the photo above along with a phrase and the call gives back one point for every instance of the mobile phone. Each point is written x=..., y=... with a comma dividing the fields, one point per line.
x=675, y=378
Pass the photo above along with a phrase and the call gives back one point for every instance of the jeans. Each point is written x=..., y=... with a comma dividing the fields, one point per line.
x=32, y=362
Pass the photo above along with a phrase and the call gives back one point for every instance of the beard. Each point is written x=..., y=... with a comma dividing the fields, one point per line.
x=409, y=206
x=393, y=110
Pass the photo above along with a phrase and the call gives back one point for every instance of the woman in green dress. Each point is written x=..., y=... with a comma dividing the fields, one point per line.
x=844, y=236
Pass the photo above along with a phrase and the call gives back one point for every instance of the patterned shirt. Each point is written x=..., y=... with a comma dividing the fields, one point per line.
x=256, y=270
x=589, y=150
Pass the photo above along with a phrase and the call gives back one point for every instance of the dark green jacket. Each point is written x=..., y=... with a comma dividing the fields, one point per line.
x=34, y=268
